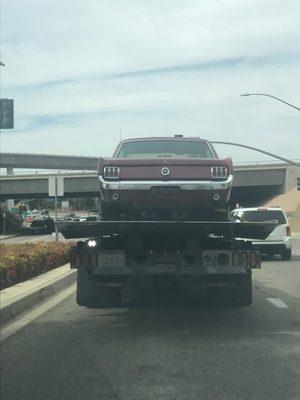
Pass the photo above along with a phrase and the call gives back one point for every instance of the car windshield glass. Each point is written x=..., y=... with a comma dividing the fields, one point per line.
x=264, y=215
x=165, y=148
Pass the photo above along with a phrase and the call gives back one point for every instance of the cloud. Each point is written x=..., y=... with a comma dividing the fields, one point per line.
x=78, y=69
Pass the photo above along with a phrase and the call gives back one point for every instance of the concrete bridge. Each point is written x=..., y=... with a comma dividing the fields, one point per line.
x=47, y=161
x=252, y=183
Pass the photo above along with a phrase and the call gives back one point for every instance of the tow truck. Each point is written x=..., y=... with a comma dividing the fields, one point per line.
x=121, y=262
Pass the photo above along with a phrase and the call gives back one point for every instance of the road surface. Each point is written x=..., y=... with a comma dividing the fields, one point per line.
x=178, y=353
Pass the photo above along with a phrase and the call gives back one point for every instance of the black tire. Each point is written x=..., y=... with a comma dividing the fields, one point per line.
x=93, y=294
x=244, y=292
x=239, y=294
x=286, y=254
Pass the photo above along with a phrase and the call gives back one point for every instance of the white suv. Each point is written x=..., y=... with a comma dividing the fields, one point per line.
x=279, y=241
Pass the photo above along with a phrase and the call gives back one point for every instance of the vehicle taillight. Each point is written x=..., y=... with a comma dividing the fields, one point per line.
x=244, y=259
x=288, y=231
x=253, y=259
x=77, y=260
x=219, y=172
x=236, y=258
x=111, y=172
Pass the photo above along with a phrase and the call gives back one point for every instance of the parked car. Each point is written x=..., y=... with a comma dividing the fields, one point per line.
x=41, y=225
x=71, y=217
x=165, y=178
x=279, y=241
x=89, y=218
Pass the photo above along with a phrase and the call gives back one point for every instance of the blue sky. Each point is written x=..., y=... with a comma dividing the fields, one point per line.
x=77, y=70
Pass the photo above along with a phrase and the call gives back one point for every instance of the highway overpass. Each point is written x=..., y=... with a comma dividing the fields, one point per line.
x=47, y=161
x=251, y=182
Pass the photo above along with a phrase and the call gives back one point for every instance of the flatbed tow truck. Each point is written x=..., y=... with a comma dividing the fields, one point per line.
x=121, y=262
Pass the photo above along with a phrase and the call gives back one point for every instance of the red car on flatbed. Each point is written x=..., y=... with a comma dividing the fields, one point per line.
x=165, y=178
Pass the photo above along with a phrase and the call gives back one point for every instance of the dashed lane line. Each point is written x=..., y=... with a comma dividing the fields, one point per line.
x=277, y=302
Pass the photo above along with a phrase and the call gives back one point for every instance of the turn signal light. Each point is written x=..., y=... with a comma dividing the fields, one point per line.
x=288, y=231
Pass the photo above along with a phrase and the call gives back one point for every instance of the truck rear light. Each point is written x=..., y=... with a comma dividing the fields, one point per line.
x=111, y=172
x=288, y=231
x=94, y=260
x=77, y=260
x=244, y=259
x=85, y=260
x=253, y=259
x=236, y=259
x=231, y=258
x=219, y=172
x=223, y=259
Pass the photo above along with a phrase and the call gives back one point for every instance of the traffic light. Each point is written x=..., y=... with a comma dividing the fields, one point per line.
x=6, y=114
x=298, y=183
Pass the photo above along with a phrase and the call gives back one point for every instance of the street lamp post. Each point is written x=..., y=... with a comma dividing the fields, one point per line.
x=273, y=97
x=291, y=162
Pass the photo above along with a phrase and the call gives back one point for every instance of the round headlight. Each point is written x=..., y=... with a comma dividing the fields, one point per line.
x=208, y=260
x=223, y=259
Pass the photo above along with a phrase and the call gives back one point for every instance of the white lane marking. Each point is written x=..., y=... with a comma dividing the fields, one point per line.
x=277, y=302
x=27, y=318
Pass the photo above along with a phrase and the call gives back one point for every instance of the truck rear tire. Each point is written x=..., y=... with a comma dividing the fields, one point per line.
x=93, y=294
x=243, y=294
x=286, y=254
x=238, y=294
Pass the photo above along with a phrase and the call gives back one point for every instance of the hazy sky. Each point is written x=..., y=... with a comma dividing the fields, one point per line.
x=78, y=69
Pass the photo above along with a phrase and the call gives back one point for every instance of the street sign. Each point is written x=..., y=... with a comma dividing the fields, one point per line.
x=6, y=114
x=56, y=186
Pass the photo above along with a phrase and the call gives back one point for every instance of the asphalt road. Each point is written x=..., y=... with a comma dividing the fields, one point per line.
x=178, y=353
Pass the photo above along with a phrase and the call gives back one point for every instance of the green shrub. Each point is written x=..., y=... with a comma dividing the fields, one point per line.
x=19, y=262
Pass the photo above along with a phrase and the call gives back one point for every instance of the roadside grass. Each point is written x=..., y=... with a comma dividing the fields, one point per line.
x=20, y=262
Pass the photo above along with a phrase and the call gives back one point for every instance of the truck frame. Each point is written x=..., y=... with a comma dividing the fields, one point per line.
x=123, y=262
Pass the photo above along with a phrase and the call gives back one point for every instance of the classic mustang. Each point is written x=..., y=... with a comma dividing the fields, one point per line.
x=165, y=178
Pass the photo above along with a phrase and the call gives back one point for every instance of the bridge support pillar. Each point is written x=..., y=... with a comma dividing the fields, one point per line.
x=291, y=177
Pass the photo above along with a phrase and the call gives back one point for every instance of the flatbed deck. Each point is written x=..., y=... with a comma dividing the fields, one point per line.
x=90, y=229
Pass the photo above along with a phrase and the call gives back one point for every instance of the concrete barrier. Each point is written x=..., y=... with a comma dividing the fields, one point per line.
x=22, y=297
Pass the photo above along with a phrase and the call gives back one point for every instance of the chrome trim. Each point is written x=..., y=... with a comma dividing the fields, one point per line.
x=183, y=185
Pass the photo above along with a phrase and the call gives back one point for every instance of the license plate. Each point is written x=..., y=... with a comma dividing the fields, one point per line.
x=163, y=269
x=112, y=258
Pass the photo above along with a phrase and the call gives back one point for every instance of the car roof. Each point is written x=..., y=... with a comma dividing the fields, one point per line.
x=140, y=139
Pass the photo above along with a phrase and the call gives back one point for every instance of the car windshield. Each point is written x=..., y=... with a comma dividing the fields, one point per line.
x=165, y=148
x=263, y=216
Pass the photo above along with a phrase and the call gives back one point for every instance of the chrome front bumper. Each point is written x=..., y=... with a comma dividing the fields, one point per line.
x=183, y=185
